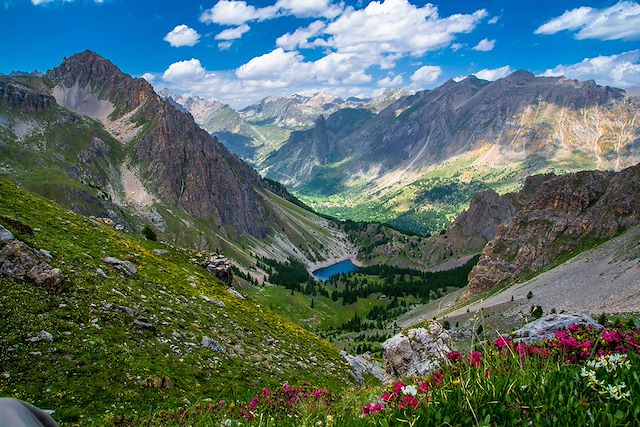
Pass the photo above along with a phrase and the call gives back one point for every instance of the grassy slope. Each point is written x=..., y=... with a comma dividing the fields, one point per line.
x=89, y=371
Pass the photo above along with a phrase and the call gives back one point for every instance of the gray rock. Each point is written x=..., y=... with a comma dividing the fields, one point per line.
x=546, y=327
x=160, y=251
x=213, y=345
x=100, y=272
x=143, y=323
x=5, y=235
x=46, y=253
x=213, y=301
x=418, y=352
x=46, y=336
x=126, y=267
x=235, y=293
x=19, y=261
x=361, y=365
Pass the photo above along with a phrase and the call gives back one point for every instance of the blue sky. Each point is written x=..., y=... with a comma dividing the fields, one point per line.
x=241, y=51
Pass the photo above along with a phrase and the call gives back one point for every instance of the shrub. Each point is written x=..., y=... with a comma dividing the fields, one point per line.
x=149, y=233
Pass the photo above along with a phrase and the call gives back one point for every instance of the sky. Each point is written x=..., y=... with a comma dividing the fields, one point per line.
x=241, y=51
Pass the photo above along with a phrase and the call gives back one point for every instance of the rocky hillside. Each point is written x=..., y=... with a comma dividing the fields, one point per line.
x=105, y=144
x=562, y=216
x=492, y=134
x=96, y=322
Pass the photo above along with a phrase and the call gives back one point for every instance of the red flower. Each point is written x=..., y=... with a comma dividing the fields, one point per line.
x=454, y=356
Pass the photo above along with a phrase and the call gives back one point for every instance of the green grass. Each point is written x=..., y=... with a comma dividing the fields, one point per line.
x=90, y=372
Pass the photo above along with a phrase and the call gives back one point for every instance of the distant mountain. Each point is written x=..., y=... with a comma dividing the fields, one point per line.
x=418, y=162
x=257, y=130
x=105, y=144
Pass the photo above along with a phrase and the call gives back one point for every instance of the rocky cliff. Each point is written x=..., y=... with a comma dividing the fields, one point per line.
x=561, y=216
x=181, y=162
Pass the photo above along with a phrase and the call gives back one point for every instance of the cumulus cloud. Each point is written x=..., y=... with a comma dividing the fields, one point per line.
x=238, y=12
x=426, y=74
x=270, y=65
x=457, y=46
x=149, y=77
x=493, y=73
x=225, y=45
x=300, y=37
x=620, y=70
x=390, y=81
x=182, y=35
x=485, y=45
x=493, y=20
x=620, y=21
x=232, y=33
x=183, y=70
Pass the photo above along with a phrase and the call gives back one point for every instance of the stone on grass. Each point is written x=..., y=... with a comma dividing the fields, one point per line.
x=125, y=267
x=361, y=365
x=546, y=327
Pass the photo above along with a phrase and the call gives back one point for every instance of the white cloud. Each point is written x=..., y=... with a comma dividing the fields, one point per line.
x=426, y=74
x=493, y=20
x=183, y=69
x=485, y=45
x=620, y=70
x=238, y=12
x=309, y=8
x=493, y=73
x=233, y=33
x=39, y=2
x=390, y=81
x=182, y=35
x=42, y=2
x=620, y=21
x=457, y=46
x=148, y=77
x=232, y=12
x=270, y=65
x=225, y=45
x=300, y=37
x=397, y=26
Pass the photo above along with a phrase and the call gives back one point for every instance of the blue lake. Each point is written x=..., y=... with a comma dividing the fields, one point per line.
x=326, y=273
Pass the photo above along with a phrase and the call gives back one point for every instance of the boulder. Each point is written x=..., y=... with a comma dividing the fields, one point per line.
x=160, y=251
x=235, y=293
x=125, y=267
x=19, y=261
x=219, y=267
x=415, y=352
x=213, y=301
x=546, y=327
x=211, y=344
x=5, y=235
x=361, y=365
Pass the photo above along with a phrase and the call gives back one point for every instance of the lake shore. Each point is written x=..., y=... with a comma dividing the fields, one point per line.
x=334, y=260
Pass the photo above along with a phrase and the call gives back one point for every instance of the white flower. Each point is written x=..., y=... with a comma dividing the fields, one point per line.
x=409, y=389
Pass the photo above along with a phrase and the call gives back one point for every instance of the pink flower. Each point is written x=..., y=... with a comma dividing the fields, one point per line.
x=387, y=397
x=502, y=342
x=265, y=392
x=423, y=387
x=408, y=401
x=438, y=378
x=454, y=356
x=397, y=387
x=254, y=403
x=475, y=358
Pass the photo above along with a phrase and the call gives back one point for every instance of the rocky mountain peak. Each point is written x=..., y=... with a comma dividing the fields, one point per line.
x=520, y=76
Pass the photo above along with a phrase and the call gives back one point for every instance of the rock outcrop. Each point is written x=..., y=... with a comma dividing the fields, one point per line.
x=362, y=365
x=19, y=261
x=546, y=327
x=561, y=216
x=218, y=266
x=416, y=352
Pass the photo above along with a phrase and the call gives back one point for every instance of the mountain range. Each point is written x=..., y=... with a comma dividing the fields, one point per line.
x=417, y=163
x=105, y=144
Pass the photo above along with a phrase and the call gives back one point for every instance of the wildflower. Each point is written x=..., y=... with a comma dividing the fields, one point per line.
x=438, y=378
x=454, y=356
x=475, y=358
x=408, y=401
x=265, y=392
x=387, y=397
x=423, y=387
x=409, y=389
x=502, y=342
x=397, y=387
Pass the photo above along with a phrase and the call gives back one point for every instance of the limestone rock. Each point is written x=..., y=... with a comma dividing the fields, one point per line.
x=220, y=267
x=5, y=235
x=125, y=267
x=546, y=327
x=160, y=251
x=363, y=364
x=213, y=301
x=235, y=293
x=211, y=344
x=416, y=352
x=19, y=261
